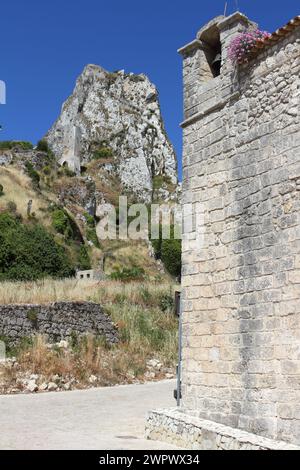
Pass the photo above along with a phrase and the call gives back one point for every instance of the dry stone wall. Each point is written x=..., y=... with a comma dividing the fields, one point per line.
x=241, y=307
x=57, y=321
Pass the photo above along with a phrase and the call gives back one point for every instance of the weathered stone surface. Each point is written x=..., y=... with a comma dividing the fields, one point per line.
x=19, y=157
x=78, y=190
x=241, y=279
x=120, y=111
x=57, y=321
x=184, y=430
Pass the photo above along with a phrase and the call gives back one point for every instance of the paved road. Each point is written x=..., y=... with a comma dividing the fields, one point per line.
x=103, y=418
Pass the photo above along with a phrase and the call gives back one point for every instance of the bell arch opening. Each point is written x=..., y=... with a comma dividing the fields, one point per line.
x=211, y=43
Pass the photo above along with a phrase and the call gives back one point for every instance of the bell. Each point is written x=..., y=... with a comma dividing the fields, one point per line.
x=217, y=59
x=216, y=65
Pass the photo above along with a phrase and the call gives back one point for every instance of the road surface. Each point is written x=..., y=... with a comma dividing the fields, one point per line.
x=101, y=419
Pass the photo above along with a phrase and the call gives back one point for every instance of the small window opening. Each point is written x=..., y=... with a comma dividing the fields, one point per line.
x=88, y=276
x=81, y=276
x=213, y=52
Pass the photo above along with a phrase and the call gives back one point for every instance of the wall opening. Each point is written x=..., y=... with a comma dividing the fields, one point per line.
x=212, y=49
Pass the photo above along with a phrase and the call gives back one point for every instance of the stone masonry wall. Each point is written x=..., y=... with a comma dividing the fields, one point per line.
x=193, y=433
x=241, y=285
x=57, y=321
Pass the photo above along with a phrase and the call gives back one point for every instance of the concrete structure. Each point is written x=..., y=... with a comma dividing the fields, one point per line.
x=241, y=284
x=90, y=274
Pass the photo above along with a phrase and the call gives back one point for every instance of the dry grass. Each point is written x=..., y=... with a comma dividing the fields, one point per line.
x=18, y=189
x=147, y=328
x=118, y=365
x=89, y=357
x=50, y=290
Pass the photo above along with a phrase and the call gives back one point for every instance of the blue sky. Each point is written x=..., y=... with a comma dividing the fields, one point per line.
x=46, y=44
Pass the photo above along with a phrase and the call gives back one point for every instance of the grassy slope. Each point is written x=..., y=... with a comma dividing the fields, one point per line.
x=18, y=189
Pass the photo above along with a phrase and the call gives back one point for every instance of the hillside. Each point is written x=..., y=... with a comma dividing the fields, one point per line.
x=109, y=140
x=70, y=224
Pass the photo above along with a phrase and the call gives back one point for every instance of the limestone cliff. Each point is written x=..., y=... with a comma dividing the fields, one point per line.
x=115, y=115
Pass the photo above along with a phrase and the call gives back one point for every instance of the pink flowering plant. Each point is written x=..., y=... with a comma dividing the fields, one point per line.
x=241, y=45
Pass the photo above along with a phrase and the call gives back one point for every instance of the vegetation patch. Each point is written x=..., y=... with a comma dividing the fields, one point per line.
x=11, y=144
x=128, y=274
x=91, y=235
x=43, y=146
x=163, y=182
x=103, y=152
x=168, y=251
x=33, y=174
x=29, y=252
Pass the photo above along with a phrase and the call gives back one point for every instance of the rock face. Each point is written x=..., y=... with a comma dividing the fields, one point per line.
x=115, y=115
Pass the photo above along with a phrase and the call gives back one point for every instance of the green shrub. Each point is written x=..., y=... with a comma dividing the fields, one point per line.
x=47, y=170
x=42, y=146
x=156, y=243
x=159, y=181
x=102, y=152
x=61, y=222
x=89, y=219
x=83, y=258
x=5, y=144
x=32, y=173
x=29, y=252
x=168, y=251
x=64, y=224
x=171, y=256
x=24, y=145
x=128, y=274
x=68, y=172
x=91, y=235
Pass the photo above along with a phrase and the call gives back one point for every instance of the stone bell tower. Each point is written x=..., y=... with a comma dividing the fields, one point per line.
x=241, y=279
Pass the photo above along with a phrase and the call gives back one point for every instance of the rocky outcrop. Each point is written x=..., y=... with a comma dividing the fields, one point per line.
x=18, y=157
x=115, y=117
x=79, y=191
